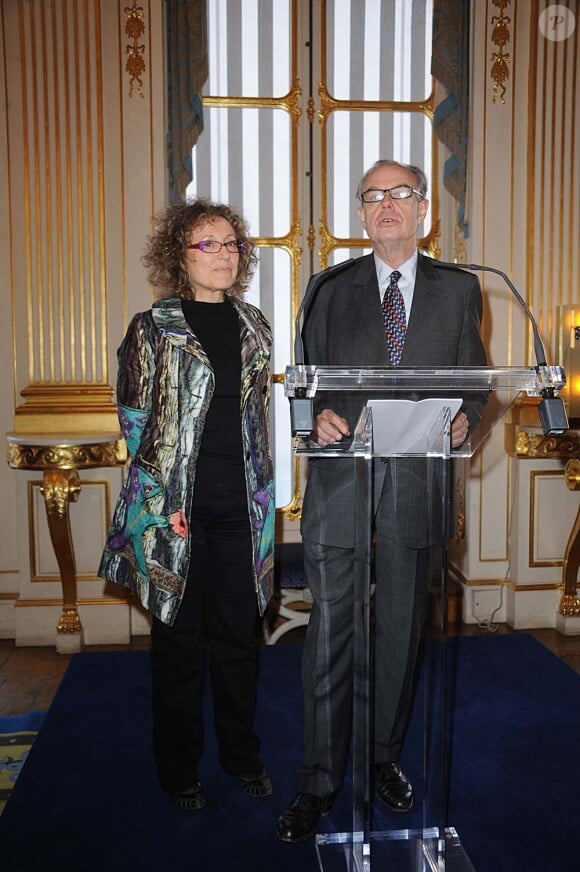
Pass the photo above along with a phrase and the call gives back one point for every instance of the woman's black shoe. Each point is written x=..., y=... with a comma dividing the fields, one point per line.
x=298, y=822
x=189, y=800
x=260, y=786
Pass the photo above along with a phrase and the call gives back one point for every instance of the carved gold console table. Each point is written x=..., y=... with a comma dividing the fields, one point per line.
x=59, y=458
x=528, y=442
x=564, y=447
x=570, y=604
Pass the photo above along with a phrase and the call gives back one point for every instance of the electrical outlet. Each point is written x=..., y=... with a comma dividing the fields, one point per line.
x=484, y=602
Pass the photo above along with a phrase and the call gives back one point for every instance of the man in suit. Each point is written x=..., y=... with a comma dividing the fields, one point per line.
x=429, y=317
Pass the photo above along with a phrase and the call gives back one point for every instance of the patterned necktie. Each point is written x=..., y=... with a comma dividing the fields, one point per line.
x=394, y=317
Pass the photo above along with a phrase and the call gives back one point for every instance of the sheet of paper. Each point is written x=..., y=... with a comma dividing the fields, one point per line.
x=406, y=426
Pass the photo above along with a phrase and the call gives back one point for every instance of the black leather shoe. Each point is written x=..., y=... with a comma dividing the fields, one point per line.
x=393, y=787
x=298, y=822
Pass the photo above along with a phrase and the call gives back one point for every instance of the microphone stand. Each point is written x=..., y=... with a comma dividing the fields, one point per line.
x=301, y=411
x=551, y=409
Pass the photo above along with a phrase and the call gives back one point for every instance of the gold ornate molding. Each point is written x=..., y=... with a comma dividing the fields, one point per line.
x=291, y=242
x=330, y=104
x=532, y=444
x=135, y=63
x=24, y=455
x=290, y=101
x=500, y=36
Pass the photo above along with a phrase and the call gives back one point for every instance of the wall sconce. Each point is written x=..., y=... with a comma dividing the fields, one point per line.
x=568, y=327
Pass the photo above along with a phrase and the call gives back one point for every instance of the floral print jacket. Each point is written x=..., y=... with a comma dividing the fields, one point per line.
x=164, y=388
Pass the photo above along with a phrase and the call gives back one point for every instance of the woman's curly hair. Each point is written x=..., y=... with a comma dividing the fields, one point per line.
x=166, y=247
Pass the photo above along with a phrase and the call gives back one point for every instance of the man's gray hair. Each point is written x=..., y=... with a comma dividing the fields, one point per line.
x=417, y=172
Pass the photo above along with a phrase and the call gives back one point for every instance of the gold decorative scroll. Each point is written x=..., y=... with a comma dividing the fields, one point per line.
x=135, y=64
x=67, y=456
x=534, y=444
x=500, y=37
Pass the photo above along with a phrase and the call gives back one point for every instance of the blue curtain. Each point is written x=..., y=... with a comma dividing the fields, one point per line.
x=187, y=69
x=450, y=65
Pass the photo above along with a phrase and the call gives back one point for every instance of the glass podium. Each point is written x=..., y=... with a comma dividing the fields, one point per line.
x=402, y=441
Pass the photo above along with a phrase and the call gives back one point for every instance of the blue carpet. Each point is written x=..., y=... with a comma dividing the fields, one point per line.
x=19, y=723
x=87, y=799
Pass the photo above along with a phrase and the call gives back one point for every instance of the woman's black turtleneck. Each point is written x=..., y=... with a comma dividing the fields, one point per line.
x=217, y=327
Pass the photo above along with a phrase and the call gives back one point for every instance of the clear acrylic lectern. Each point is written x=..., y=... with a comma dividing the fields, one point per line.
x=404, y=418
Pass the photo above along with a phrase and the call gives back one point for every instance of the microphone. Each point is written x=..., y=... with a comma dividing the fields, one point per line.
x=301, y=413
x=551, y=409
x=311, y=289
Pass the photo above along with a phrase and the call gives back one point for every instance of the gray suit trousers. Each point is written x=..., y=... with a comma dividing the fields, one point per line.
x=401, y=577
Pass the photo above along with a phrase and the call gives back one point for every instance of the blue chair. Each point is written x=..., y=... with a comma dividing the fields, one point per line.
x=292, y=600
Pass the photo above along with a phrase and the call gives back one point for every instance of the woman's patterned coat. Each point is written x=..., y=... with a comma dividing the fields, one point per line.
x=164, y=389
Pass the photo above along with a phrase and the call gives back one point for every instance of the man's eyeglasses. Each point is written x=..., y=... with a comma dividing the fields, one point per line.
x=399, y=192
x=212, y=246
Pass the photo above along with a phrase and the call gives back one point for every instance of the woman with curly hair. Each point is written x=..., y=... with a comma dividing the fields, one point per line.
x=193, y=530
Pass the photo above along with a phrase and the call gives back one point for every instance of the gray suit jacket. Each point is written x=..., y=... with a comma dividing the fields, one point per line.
x=344, y=327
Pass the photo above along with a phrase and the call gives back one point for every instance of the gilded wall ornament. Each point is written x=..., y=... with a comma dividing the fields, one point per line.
x=534, y=444
x=135, y=63
x=500, y=36
x=459, y=246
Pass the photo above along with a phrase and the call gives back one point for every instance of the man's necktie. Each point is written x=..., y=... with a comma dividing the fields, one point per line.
x=394, y=316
